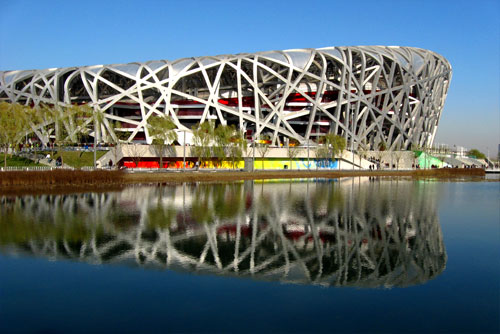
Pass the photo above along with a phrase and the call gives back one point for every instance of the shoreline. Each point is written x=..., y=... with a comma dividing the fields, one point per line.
x=210, y=176
x=67, y=181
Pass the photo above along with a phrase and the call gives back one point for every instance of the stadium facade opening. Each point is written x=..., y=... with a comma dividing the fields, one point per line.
x=373, y=95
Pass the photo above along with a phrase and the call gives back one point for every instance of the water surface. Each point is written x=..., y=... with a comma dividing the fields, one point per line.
x=359, y=254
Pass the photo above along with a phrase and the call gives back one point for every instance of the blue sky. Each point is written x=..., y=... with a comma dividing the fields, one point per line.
x=45, y=34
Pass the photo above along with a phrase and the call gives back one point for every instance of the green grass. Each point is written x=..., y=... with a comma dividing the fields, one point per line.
x=15, y=161
x=77, y=159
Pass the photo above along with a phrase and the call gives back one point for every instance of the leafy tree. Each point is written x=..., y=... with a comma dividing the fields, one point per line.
x=162, y=129
x=221, y=140
x=203, y=139
x=13, y=125
x=40, y=122
x=75, y=118
x=97, y=120
x=322, y=153
x=333, y=145
x=476, y=153
x=229, y=143
x=237, y=147
x=65, y=124
x=70, y=123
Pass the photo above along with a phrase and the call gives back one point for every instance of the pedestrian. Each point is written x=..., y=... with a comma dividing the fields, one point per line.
x=110, y=163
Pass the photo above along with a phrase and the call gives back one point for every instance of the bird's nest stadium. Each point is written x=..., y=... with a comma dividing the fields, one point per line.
x=370, y=95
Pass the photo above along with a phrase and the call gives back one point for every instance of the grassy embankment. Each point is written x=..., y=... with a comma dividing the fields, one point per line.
x=16, y=161
x=76, y=159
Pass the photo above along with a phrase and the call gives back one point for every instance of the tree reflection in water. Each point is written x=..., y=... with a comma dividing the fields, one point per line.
x=355, y=232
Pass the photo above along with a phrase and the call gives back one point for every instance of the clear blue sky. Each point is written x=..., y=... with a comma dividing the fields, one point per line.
x=44, y=34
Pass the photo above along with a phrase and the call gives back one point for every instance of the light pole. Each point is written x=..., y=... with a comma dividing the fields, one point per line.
x=308, y=165
x=95, y=141
x=184, y=152
x=352, y=138
x=253, y=153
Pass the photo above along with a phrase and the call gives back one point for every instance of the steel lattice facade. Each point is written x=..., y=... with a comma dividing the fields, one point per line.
x=371, y=94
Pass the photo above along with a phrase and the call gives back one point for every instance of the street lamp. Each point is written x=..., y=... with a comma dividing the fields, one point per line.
x=352, y=138
x=184, y=152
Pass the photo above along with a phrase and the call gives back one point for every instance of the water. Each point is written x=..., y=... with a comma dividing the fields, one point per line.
x=352, y=255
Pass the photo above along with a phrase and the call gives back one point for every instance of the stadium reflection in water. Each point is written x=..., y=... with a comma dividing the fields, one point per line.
x=355, y=232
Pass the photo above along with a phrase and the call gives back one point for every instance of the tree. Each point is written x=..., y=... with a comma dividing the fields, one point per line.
x=229, y=143
x=136, y=152
x=40, y=122
x=362, y=152
x=263, y=147
x=203, y=137
x=293, y=149
x=476, y=153
x=162, y=129
x=65, y=124
x=97, y=119
x=116, y=138
x=332, y=146
x=71, y=122
x=74, y=120
x=398, y=156
x=221, y=142
x=13, y=124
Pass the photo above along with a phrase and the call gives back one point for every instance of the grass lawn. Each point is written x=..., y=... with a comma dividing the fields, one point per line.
x=77, y=159
x=16, y=161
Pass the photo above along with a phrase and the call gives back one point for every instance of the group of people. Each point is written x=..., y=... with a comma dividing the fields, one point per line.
x=59, y=160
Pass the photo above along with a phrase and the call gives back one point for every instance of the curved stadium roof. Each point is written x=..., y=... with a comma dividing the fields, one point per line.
x=372, y=94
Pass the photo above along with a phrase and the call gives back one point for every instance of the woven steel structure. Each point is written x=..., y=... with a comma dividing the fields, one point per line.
x=372, y=95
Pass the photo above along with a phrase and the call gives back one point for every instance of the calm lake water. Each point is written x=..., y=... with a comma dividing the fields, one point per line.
x=345, y=255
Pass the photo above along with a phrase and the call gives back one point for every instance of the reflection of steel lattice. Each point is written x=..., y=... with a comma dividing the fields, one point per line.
x=373, y=94
x=320, y=238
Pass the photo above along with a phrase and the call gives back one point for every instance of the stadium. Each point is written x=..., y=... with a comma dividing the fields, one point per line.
x=370, y=95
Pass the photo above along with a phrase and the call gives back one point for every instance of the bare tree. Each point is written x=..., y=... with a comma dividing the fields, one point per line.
x=362, y=152
x=398, y=156
x=116, y=139
x=136, y=152
x=293, y=149
x=263, y=147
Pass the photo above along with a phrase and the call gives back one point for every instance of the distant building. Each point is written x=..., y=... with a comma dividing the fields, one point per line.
x=373, y=95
